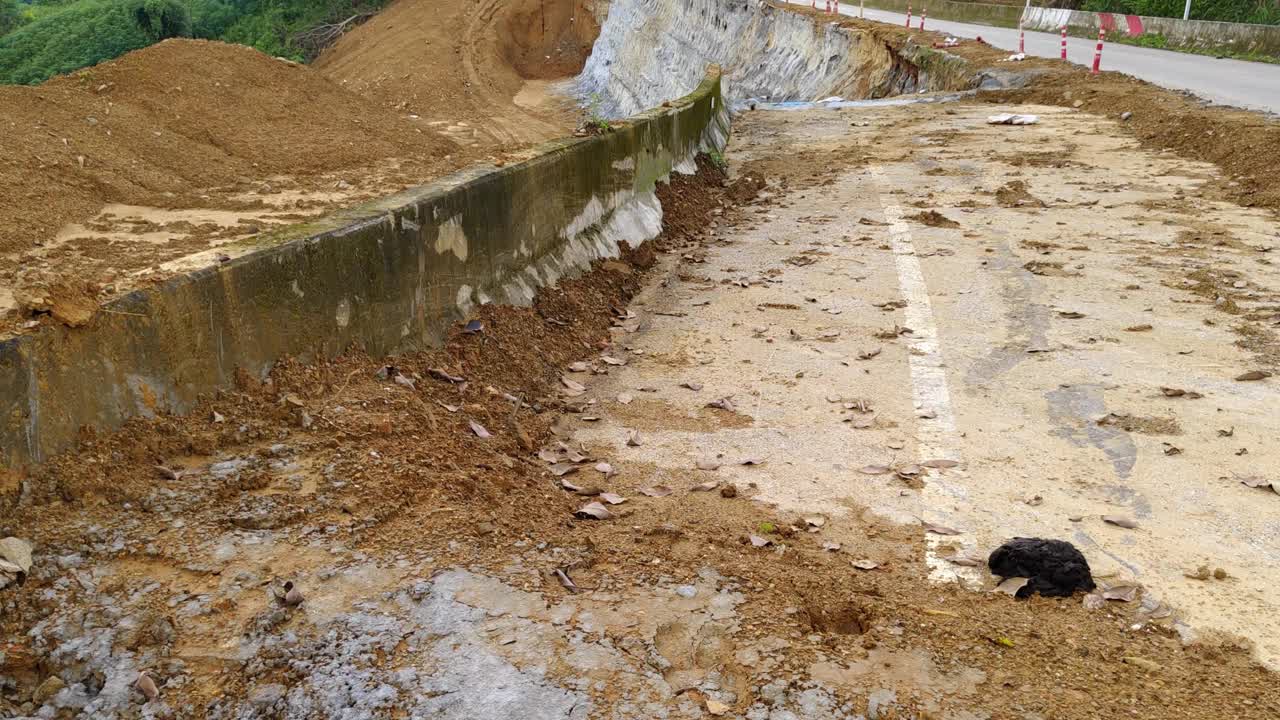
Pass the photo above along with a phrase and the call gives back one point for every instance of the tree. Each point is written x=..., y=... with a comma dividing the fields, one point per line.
x=86, y=33
x=10, y=16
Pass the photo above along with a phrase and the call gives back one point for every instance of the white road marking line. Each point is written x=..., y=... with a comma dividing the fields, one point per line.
x=937, y=436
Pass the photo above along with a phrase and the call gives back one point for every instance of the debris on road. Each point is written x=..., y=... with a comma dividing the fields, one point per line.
x=1053, y=568
x=1013, y=119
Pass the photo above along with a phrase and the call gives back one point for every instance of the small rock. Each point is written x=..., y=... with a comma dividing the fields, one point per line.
x=267, y=695
x=1126, y=115
x=47, y=689
x=686, y=591
x=729, y=490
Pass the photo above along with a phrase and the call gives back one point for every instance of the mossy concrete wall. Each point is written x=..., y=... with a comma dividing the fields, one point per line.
x=389, y=276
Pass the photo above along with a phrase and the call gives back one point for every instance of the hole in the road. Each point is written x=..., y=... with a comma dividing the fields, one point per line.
x=844, y=617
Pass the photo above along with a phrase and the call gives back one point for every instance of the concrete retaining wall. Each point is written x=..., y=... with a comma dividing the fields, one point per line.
x=651, y=49
x=1179, y=34
x=390, y=276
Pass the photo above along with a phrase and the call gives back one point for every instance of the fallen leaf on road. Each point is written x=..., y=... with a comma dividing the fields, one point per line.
x=1121, y=593
x=940, y=529
x=572, y=387
x=1253, y=375
x=610, y=360
x=593, y=511
x=758, y=541
x=707, y=464
x=1120, y=521
x=561, y=469
x=940, y=463
x=724, y=403
x=695, y=386
x=612, y=498
x=874, y=469
x=571, y=487
x=478, y=429
x=443, y=375
x=1011, y=586
x=579, y=366
x=866, y=564
x=656, y=491
x=1138, y=328
x=566, y=581
x=625, y=398
x=633, y=439
x=605, y=468
x=706, y=486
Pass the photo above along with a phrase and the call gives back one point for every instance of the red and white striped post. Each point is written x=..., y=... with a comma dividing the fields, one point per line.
x=908, y=26
x=836, y=6
x=826, y=6
x=1022, y=39
x=924, y=13
x=1064, y=42
x=1097, y=54
x=862, y=5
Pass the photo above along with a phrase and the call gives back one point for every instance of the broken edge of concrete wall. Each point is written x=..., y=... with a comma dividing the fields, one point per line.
x=389, y=276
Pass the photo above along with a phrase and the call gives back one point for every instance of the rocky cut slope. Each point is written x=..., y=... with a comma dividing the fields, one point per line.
x=651, y=50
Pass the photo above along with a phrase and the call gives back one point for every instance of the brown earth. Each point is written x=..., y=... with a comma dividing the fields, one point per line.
x=416, y=478
x=165, y=125
x=464, y=64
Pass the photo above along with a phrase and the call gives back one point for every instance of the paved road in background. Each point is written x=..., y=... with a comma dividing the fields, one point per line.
x=1227, y=82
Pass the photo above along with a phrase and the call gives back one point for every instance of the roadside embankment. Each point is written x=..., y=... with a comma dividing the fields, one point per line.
x=387, y=276
x=649, y=50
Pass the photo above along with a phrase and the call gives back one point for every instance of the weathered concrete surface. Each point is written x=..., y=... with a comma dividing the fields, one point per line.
x=1012, y=356
x=652, y=49
x=389, y=276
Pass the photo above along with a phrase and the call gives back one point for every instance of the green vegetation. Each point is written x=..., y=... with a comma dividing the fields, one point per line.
x=42, y=38
x=1260, y=12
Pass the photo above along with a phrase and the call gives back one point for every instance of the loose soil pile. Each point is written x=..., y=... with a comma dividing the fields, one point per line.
x=462, y=63
x=166, y=125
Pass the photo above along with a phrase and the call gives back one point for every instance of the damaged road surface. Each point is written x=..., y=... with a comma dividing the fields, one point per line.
x=753, y=475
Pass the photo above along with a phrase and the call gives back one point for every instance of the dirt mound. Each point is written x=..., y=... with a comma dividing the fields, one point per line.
x=468, y=65
x=163, y=125
x=1014, y=194
x=933, y=218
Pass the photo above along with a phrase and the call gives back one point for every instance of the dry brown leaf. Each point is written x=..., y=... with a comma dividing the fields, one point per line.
x=940, y=529
x=1123, y=592
x=633, y=439
x=1253, y=375
x=625, y=398
x=758, y=541
x=1120, y=521
x=940, y=463
x=706, y=486
x=561, y=469
x=478, y=429
x=1011, y=586
x=874, y=469
x=695, y=386
x=865, y=564
x=612, y=498
x=708, y=464
x=593, y=511
x=656, y=491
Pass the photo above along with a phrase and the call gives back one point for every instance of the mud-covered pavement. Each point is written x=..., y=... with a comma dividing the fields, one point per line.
x=892, y=324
